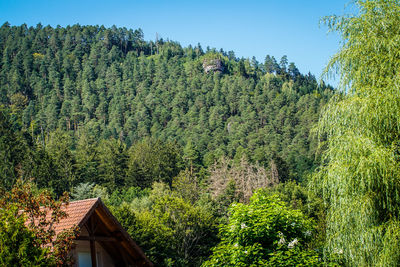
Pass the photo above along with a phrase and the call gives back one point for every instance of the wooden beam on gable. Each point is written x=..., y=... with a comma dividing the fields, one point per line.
x=98, y=238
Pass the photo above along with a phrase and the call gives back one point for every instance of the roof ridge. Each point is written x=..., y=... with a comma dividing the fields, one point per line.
x=84, y=200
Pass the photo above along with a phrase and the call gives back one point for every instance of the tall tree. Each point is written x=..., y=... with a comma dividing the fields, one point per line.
x=12, y=151
x=59, y=146
x=152, y=160
x=283, y=63
x=359, y=178
x=112, y=160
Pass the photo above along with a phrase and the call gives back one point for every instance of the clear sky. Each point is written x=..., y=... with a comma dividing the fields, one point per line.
x=248, y=27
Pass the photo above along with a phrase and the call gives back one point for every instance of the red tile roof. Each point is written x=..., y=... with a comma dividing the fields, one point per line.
x=77, y=211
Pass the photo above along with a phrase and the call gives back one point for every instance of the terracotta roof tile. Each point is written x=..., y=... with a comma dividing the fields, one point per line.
x=76, y=211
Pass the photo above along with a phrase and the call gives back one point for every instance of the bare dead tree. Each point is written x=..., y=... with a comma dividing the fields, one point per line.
x=247, y=178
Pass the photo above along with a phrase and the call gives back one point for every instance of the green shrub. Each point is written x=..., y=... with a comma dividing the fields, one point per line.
x=264, y=232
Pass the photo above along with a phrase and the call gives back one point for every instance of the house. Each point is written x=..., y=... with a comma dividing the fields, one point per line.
x=102, y=240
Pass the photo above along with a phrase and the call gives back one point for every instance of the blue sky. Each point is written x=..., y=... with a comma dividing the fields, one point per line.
x=248, y=27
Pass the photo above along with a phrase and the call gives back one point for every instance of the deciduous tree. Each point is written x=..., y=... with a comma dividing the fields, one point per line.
x=263, y=233
x=359, y=178
x=26, y=229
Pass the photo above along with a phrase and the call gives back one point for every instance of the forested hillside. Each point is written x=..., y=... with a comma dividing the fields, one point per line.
x=168, y=136
x=204, y=158
x=101, y=83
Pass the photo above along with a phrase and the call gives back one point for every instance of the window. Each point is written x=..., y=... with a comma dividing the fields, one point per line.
x=84, y=259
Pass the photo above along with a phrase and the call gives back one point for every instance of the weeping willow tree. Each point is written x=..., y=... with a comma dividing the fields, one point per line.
x=359, y=177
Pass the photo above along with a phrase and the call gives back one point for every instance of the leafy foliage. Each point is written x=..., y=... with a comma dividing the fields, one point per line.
x=145, y=168
x=264, y=230
x=359, y=175
x=19, y=157
x=16, y=241
x=172, y=231
x=27, y=230
x=82, y=191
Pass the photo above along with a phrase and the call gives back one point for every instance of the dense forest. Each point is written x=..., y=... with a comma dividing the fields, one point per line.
x=205, y=158
x=84, y=87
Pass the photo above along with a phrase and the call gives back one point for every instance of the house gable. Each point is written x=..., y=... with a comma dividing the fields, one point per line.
x=102, y=240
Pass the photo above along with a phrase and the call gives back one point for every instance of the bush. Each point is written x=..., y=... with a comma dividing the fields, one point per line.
x=264, y=232
x=18, y=244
